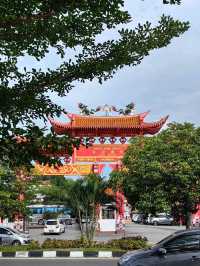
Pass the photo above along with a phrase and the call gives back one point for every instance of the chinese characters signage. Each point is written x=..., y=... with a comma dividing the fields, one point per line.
x=100, y=153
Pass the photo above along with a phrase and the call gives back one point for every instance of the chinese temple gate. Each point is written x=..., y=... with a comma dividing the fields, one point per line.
x=99, y=153
x=107, y=135
x=108, y=138
x=112, y=127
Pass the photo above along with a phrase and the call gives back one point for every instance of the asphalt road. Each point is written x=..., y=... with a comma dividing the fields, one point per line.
x=153, y=233
x=58, y=262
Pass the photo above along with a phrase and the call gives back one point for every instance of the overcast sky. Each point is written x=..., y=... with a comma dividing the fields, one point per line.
x=166, y=82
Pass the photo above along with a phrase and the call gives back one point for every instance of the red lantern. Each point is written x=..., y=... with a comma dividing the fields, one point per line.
x=112, y=140
x=81, y=141
x=102, y=140
x=92, y=141
x=122, y=140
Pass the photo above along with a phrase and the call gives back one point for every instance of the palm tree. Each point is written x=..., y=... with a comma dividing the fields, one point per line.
x=85, y=196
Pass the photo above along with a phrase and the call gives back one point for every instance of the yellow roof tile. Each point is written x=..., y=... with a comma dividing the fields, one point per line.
x=105, y=122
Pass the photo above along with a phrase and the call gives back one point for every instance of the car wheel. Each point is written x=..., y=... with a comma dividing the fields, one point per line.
x=16, y=243
x=155, y=223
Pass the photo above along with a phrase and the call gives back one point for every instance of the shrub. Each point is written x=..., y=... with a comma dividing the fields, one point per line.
x=64, y=244
x=130, y=243
x=34, y=245
x=122, y=244
x=138, y=237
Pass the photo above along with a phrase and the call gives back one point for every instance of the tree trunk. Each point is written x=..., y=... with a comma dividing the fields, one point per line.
x=80, y=223
x=188, y=220
x=87, y=225
x=92, y=226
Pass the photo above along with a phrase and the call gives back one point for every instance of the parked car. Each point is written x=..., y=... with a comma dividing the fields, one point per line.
x=160, y=219
x=178, y=249
x=66, y=219
x=9, y=236
x=54, y=226
x=138, y=218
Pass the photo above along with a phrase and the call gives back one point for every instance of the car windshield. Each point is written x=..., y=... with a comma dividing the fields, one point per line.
x=165, y=239
x=51, y=222
x=162, y=241
x=14, y=231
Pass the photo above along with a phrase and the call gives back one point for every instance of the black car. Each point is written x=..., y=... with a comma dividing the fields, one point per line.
x=179, y=249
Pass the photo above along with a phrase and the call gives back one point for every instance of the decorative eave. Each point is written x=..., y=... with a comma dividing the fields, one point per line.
x=155, y=127
x=107, y=126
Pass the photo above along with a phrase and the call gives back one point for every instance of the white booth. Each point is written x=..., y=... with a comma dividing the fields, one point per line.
x=107, y=218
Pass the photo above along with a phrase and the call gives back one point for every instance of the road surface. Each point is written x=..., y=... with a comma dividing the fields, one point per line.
x=58, y=262
x=153, y=233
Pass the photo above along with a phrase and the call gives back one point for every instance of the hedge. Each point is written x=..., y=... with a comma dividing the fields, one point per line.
x=123, y=244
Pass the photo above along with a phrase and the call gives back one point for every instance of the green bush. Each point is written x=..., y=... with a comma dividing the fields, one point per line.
x=122, y=244
x=63, y=244
x=128, y=244
x=138, y=237
x=34, y=245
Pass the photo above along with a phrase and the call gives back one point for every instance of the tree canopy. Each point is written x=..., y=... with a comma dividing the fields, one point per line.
x=164, y=170
x=10, y=190
x=57, y=191
x=69, y=28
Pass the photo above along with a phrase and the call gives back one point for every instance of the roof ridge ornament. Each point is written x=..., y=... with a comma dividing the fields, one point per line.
x=107, y=109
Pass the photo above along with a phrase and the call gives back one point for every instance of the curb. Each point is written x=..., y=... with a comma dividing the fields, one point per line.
x=61, y=254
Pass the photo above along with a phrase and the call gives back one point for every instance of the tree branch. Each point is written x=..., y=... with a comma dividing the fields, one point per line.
x=10, y=22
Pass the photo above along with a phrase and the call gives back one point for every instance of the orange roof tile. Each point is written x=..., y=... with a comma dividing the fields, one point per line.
x=125, y=126
x=105, y=121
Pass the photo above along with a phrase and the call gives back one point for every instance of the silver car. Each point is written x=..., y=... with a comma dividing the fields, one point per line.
x=161, y=219
x=9, y=236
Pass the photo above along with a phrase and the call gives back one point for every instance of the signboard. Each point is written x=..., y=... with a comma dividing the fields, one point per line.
x=66, y=170
x=100, y=153
x=70, y=169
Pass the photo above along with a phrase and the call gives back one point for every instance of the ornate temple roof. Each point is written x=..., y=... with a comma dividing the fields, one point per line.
x=107, y=126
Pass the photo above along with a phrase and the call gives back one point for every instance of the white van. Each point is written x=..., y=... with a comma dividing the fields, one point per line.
x=54, y=226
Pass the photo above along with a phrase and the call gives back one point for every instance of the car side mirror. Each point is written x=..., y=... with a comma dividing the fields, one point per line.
x=162, y=251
